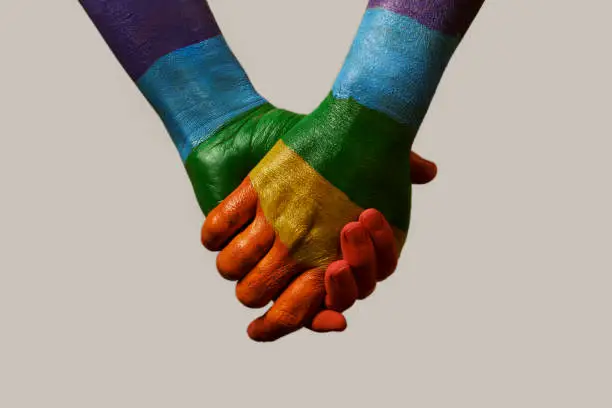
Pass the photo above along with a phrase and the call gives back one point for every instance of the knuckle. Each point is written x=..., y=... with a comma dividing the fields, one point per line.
x=250, y=296
x=284, y=319
x=215, y=223
x=212, y=231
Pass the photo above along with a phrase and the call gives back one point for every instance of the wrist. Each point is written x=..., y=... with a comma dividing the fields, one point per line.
x=198, y=89
x=451, y=17
x=139, y=32
x=395, y=65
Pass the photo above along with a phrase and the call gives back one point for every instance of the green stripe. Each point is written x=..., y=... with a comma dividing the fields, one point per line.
x=218, y=165
x=364, y=153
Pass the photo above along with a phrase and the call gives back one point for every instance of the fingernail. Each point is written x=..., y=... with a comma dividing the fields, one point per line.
x=374, y=221
x=357, y=235
x=428, y=161
x=336, y=276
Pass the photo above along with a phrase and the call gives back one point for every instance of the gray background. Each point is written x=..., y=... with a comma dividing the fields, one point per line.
x=502, y=298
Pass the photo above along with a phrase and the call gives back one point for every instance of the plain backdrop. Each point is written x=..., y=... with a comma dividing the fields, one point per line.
x=502, y=298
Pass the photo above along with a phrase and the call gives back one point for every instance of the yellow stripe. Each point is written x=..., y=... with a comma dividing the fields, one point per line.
x=305, y=209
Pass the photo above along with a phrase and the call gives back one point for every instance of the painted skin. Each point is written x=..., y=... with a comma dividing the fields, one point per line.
x=344, y=157
x=175, y=53
x=279, y=229
x=219, y=165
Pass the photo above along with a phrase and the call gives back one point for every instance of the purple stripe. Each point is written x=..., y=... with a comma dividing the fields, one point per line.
x=452, y=17
x=141, y=31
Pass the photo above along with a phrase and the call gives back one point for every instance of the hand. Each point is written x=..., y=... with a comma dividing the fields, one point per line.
x=369, y=256
x=364, y=262
x=287, y=215
x=219, y=165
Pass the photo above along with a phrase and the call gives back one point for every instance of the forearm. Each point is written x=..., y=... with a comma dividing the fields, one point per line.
x=174, y=51
x=400, y=53
x=358, y=138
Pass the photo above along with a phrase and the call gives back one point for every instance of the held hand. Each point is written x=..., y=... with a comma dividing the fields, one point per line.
x=369, y=256
x=290, y=212
x=345, y=279
x=349, y=156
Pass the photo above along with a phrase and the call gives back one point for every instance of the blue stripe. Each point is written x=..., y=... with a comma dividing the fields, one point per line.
x=196, y=90
x=395, y=65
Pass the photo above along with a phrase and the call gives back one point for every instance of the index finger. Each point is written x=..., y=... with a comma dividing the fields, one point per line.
x=293, y=309
x=229, y=217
